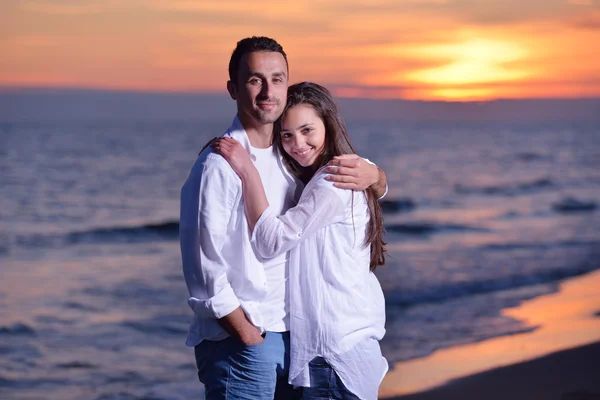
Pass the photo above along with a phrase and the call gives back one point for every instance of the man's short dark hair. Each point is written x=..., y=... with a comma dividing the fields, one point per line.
x=249, y=45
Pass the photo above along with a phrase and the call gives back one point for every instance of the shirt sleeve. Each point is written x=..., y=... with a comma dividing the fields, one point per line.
x=207, y=201
x=384, y=193
x=320, y=205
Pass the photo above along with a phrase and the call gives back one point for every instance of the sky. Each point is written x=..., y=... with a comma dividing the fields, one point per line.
x=459, y=50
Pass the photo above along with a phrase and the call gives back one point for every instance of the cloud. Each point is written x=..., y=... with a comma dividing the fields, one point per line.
x=390, y=47
x=589, y=21
x=581, y=2
x=61, y=8
x=233, y=11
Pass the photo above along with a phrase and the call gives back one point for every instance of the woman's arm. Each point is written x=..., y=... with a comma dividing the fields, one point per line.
x=320, y=205
x=255, y=199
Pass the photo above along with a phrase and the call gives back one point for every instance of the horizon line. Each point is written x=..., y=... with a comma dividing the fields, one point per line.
x=19, y=88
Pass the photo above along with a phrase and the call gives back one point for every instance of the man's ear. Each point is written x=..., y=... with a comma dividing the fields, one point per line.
x=232, y=89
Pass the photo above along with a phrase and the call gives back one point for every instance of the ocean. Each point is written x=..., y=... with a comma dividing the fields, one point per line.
x=480, y=216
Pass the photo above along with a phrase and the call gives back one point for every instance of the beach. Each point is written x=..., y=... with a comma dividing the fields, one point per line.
x=565, y=375
x=558, y=360
x=493, y=238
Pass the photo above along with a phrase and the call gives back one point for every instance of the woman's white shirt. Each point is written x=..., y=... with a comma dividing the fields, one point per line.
x=337, y=309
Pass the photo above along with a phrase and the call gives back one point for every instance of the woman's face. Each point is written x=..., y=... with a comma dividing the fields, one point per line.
x=303, y=134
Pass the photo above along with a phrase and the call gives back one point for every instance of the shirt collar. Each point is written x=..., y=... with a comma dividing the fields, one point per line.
x=237, y=131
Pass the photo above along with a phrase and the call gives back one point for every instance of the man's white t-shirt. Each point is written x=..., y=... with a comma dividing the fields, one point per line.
x=275, y=307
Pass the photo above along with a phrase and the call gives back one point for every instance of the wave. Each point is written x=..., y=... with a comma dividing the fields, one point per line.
x=507, y=190
x=4, y=240
x=79, y=306
x=17, y=329
x=29, y=383
x=571, y=204
x=453, y=290
x=5, y=382
x=399, y=205
x=530, y=156
x=157, y=327
x=168, y=230
x=76, y=365
x=593, y=244
x=428, y=228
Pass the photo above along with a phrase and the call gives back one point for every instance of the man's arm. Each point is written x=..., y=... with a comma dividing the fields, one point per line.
x=350, y=171
x=206, y=206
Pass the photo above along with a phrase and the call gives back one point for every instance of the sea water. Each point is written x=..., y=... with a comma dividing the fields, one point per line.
x=479, y=217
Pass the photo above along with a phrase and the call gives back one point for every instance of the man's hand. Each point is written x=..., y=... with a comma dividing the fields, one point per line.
x=238, y=327
x=350, y=171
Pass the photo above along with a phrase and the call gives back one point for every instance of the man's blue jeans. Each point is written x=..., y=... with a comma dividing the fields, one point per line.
x=231, y=370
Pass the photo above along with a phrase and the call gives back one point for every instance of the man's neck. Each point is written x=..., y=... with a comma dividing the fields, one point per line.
x=260, y=135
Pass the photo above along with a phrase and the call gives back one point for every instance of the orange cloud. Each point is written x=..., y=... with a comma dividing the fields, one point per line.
x=429, y=49
x=61, y=8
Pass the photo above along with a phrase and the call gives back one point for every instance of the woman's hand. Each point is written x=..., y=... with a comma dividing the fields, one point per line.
x=255, y=199
x=234, y=153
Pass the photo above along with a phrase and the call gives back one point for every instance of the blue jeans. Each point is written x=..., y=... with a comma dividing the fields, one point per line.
x=325, y=384
x=231, y=370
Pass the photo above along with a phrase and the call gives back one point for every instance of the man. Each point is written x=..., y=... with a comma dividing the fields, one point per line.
x=240, y=328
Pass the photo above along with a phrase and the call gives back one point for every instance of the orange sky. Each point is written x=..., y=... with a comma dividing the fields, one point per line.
x=413, y=49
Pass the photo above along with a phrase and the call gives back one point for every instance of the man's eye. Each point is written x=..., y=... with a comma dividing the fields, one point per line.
x=254, y=81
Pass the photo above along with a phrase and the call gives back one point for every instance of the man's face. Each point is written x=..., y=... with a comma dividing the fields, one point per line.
x=261, y=87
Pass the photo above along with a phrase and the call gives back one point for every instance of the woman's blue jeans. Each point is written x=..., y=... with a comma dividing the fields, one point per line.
x=325, y=384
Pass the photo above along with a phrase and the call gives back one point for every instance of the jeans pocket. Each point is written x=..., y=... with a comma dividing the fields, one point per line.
x=203, y=353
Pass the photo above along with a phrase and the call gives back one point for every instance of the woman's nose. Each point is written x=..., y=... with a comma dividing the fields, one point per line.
x=298, y=141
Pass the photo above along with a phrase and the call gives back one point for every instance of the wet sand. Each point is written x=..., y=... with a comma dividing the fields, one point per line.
x=558, y=360
x=566, y=375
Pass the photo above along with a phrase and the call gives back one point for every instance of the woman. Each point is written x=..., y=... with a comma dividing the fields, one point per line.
x=337, y=310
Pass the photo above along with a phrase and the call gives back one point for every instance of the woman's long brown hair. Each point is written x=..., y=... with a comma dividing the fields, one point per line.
x=337, y=143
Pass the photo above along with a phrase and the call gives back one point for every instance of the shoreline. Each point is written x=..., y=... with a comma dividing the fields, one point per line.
x=566, y=322
x=572, y=374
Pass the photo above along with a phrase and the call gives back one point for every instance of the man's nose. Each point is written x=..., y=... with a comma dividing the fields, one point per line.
x=266, y=90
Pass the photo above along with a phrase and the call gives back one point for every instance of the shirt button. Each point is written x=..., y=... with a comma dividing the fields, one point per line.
x=299, y=234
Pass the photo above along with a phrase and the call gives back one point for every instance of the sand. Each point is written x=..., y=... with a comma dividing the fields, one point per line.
x=558, y=360
x=566, y=375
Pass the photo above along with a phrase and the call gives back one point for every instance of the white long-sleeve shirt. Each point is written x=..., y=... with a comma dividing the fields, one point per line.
x=220, y=267
x=337, y=308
